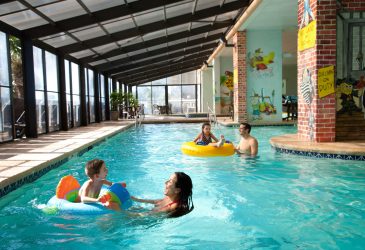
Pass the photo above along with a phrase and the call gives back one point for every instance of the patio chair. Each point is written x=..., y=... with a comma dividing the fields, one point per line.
x=155, y=109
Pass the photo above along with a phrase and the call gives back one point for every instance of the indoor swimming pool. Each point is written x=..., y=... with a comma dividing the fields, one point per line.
x=274, y=201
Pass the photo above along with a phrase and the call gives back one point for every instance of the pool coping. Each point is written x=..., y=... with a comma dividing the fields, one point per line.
x=291, y=144
x=27, y=167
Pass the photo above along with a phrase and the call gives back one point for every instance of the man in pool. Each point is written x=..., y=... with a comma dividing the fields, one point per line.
x=248, y=144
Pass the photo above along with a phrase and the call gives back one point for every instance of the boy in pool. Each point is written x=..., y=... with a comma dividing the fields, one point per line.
x=205, y=137
x=97, y=172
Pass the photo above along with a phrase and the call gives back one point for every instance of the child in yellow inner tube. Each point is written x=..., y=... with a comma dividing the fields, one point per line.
x=205, y=137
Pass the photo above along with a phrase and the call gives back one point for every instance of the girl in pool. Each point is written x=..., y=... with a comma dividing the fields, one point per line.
x=177, y=201
x=205, y=137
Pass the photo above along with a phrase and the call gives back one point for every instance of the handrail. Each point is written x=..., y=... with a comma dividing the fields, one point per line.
x=139, y=116
x=211, y=116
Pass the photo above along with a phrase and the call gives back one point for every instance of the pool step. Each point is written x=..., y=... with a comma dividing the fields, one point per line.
x=350, y=127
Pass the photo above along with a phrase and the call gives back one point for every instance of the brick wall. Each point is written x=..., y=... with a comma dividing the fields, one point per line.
x=354, y=5
x=317, y=120
x=239, y=65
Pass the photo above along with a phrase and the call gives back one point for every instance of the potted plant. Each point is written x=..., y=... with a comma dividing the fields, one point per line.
x=116, y=98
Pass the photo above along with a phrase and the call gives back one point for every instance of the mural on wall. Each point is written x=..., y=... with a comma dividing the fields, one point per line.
x=262, y=104
x=226, y=92
x=264, y=76
x=350, y=95
x=307, y=91
x=260, y=63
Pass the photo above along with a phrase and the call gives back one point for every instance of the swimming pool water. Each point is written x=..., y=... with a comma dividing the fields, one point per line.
x=275, y=201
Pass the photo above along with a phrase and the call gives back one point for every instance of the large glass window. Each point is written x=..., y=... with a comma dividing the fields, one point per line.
x=52, y=92
x=102, y=97
x=75, y=77
x=68, y=94
x=174, y=98
x=188, y=77
x=6, y=123
x=39, y=93
x=72, y=93
x=144, y=97
x=47, y=90
x=90, y=94
x=188, y=98
x=182, y=93
x=158, y=95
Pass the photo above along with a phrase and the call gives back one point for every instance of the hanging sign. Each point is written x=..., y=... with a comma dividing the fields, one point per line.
x=307, y=36
x=326, y=81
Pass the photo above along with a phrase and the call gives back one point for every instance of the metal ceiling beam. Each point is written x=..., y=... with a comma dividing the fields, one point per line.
x=159, y=64
x=97, y=16
x=155, y=26
x=122, y=68
x=158, y=41
x=156, y=52
x=150, y=69
x=167, y=74
x=162, y=72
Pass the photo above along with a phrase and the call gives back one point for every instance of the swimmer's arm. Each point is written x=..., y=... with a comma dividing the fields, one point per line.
x=197, y=138
x=108, y=183
x=254, y=148
x=214, y=138
x=144, y=200
x=237, y=148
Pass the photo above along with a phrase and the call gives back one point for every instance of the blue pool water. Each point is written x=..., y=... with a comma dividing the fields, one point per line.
x=276, y=201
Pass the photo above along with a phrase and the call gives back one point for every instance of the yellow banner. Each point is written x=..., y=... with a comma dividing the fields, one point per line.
x=326, y=81
x=235, y=76
x=307, y=36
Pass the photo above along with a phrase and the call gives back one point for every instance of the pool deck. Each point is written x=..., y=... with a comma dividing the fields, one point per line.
x=349, y=150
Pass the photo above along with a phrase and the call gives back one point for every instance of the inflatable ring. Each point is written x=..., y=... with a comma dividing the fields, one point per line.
x=191, y=149
x=67, y=192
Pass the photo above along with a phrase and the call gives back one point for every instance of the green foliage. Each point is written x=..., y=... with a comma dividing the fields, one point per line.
x=15, y=47
x=116, y=98
x=133, y=102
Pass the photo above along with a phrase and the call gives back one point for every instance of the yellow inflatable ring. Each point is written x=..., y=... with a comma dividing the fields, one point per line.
x=190, y=148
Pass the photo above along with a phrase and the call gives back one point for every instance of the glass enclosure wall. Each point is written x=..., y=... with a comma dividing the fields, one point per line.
x=6, y=124
x=102, y=96
x=52, y=89
x=90, y=99
x=72, y=81
x=176, y=94
x=76, y=99
x=47, y=91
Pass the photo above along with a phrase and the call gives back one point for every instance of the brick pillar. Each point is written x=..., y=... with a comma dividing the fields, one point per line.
x=240, y=81
x=317, y=116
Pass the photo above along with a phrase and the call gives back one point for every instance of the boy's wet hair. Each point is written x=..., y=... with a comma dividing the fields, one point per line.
x=93, y=167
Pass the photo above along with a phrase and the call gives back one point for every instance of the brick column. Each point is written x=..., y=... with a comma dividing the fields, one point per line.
x=240, y=81
x=317, y=116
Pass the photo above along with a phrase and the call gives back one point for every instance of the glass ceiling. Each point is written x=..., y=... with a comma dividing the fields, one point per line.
x=100, y=33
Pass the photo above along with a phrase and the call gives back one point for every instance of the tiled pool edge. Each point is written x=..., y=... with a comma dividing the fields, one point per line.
x=319, y=154
x=290, y=144
x=30, y=175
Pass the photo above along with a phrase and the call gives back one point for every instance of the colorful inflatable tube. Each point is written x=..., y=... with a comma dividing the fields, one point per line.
x=67, y=193
x=191, y=149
